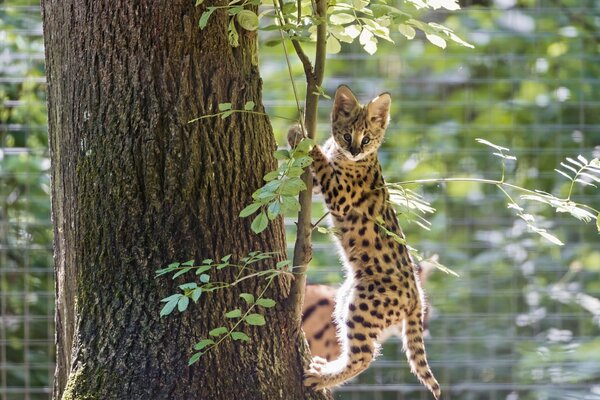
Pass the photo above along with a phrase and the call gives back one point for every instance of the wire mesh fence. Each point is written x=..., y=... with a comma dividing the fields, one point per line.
x=521, y=321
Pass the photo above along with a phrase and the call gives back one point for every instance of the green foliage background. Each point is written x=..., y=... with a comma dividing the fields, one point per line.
x=521, y=321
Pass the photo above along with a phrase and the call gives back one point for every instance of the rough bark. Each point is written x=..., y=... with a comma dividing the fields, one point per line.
x=135, y=187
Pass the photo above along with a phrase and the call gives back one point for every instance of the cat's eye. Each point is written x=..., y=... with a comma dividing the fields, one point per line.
x=366, y=140
x=347, y=137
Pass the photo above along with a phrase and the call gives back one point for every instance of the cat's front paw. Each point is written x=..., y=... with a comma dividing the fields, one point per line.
x=295, y=135
x=313, y=379
x=317, y=363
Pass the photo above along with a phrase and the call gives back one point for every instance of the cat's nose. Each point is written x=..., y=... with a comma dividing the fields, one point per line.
x=354, y=151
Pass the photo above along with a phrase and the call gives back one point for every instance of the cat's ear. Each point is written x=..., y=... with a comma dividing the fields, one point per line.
x=344, y=104
x=378, y=110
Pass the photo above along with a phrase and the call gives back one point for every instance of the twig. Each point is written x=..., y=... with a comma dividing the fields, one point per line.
x=282, y=20
x=316, y=224
x=303, y=246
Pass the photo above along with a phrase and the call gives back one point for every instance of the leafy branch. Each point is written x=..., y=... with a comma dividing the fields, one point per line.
x=226, y=110
x=280, y=194
x=194, y=290
x=253, y=319
x=581, y=171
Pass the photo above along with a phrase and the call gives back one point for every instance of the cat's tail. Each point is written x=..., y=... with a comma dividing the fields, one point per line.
x=415, y=352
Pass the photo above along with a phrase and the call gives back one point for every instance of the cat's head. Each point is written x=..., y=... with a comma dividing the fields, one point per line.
x=359, y=130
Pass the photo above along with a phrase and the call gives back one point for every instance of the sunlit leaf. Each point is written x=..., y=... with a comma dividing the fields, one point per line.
x=490, y=144
x=341, y=18
x=407, y=31
x=436, y=40
x=563, y=174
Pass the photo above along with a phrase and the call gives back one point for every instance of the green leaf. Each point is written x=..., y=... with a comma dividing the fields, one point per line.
x=360, y=4
x=248, y=298
x=598, y=222
x=232, y=35
x=234, y=10
x=182, y=271
x=226, y=114
x=249, y=210
x=305, y=145
x=188, y=286
x=260, y=223
x=295, y=172
x=255, y=319
x=226, y=258
x=407, y=31
x=204, y=17
x=282, y=155
x=284, y=263
x=292, y=186
x=218, y=331
x=175, y=296
x=189, y=263
x=240, y=336
x=207, y=261
x=271, y=175
x=194, y=358
x=268, y=303
x=169, y=307
x=183, y=303
x=323, y=230
x=290, y=204
x=248, y=20
x=224, y=106
x=302, y=162
x=204, y=278
x=273, y=209
x=249, y=106
x=203, y=269
x=196, y=294
x=203, y=343
x=199, y=2
x=234, y=313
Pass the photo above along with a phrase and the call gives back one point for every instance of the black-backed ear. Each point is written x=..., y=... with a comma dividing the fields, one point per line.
x=344, y=104
x=378, y=110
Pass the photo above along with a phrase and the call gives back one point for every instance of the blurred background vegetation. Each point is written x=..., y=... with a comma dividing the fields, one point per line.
x=521, y=321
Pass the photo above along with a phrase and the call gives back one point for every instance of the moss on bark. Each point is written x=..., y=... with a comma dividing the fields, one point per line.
x=136, y=187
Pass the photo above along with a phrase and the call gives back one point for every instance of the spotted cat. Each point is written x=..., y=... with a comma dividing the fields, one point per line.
x=381, y=288
x=320, y=326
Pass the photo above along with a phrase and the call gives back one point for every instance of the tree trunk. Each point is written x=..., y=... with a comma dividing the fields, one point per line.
x=136, y=187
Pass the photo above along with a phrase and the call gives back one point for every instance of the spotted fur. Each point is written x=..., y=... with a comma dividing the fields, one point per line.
x=381, y=288
x=320, y=326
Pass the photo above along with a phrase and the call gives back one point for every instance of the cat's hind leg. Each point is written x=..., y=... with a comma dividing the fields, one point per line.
x=361, y=327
